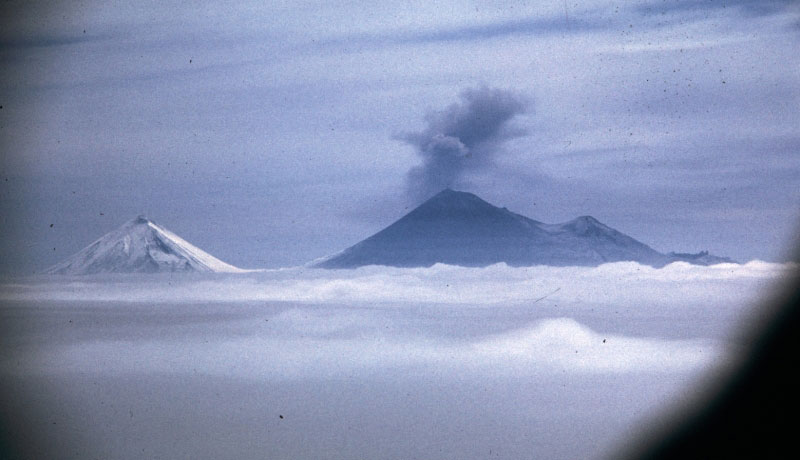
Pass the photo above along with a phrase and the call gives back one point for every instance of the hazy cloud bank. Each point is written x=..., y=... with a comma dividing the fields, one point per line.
x=622, y=283
x=342, y=345
x=303, y=323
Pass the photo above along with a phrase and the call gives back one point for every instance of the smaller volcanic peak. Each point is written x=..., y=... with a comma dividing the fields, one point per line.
x=586, y=226
x=140, y=220
x=140, y=246
x=700, y=258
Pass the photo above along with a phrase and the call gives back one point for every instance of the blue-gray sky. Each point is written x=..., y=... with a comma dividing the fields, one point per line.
x=270, y=135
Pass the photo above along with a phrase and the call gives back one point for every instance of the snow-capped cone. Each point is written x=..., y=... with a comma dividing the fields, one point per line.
x=140, y=246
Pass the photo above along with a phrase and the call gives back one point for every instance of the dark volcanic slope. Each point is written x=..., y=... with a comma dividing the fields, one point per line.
x=459, y=228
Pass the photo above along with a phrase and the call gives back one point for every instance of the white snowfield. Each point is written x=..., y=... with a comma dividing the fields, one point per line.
x=141, y=246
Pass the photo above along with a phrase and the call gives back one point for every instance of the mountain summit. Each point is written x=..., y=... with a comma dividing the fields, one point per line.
x=459, y=228
x=140, y=246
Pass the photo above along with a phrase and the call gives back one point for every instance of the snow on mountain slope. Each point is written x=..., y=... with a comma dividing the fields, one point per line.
x=140, y=246
x=595, y=243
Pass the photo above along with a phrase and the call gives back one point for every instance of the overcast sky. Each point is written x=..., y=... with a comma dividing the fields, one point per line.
x=270, y=135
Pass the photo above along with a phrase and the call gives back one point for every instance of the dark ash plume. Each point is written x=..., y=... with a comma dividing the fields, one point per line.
x=466, y=136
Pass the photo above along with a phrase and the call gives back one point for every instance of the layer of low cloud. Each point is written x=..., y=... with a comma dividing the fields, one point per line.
x=301, y=343
x=557, y=362
x=620, y=283
x=309, y=323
